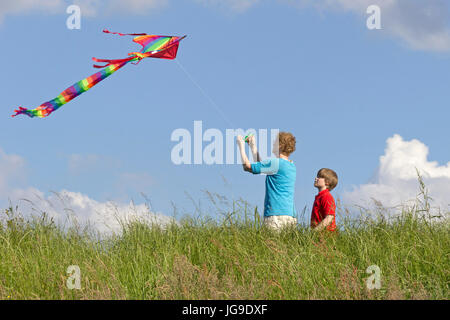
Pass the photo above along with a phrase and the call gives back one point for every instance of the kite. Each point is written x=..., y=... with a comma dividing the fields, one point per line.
x=153, y=46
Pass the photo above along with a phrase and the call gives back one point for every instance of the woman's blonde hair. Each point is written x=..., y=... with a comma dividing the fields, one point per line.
x=286, y=143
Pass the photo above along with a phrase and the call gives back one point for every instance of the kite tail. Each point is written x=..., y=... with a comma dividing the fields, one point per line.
x=125, y=34
x=70, y=93
x=111, y=62
x=30, y=113
x=115, y=61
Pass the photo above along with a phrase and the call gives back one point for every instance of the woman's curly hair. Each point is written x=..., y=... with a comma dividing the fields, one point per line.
x=286, y=143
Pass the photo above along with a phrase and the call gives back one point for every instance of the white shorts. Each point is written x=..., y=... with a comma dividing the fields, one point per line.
x=279, y=222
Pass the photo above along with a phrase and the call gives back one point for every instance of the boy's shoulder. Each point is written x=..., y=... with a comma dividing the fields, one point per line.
x=325, y=195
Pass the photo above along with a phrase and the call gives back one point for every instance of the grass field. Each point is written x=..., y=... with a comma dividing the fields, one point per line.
x=235, y=258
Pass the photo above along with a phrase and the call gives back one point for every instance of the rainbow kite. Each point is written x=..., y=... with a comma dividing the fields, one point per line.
x=153, y=46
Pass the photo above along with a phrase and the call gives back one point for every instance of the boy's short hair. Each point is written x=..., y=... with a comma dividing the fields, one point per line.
x=331, y=178
x=286, y=143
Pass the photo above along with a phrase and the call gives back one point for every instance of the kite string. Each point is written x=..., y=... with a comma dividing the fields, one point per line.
x=205, y=94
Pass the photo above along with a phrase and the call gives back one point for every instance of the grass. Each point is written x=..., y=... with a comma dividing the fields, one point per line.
x=234, y=258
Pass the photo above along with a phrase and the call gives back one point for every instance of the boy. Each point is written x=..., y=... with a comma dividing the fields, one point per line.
x=323, y=213
x=281, y=173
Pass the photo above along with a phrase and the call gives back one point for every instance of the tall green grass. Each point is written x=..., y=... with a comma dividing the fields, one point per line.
x=231, y=258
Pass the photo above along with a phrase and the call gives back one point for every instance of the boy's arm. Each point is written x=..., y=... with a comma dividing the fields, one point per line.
x=245, y=162
x=324, y=223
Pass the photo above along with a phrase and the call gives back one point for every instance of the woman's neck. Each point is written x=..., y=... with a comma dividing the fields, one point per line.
x=283, y=156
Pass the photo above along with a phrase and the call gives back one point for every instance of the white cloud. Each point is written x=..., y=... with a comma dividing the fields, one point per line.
x=139, y=7
x=25, y=6
x=396, y=183
x=78, y=162
x=12, y=170
x=422, y=25
x=137, y=181
x=85, y=163
x=234, y=5
x=103, y=217
x=89, y=8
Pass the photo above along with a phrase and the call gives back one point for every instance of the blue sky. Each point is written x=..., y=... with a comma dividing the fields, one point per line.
x=349, y=94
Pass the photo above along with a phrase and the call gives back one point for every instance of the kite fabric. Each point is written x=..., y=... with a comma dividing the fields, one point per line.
x=153, y=46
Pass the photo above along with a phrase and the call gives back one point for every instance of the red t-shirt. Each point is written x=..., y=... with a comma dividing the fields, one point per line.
x=324, y=205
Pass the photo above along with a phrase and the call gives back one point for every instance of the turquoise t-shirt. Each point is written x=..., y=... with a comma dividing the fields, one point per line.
x=280, y=185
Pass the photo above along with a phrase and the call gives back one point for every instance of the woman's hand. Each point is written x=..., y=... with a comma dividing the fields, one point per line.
x=251, y=141
x=240, y=140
